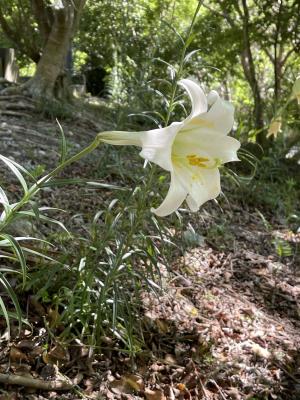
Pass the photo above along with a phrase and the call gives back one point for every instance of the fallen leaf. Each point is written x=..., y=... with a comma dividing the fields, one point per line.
x=260, y=351
x=26, y=345
x=135, y=381
x=16, y=355
x=155, y=395
x=58, y=353
x=120, y=386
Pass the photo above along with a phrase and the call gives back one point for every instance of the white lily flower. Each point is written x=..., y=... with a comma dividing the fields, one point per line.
x=192, y=150
x=275, y=127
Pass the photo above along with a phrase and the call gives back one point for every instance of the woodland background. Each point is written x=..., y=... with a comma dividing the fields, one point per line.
x=99, y=298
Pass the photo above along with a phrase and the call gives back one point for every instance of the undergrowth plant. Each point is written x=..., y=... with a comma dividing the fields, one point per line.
x=117, y=258
x=95, y=290
x=15, y=248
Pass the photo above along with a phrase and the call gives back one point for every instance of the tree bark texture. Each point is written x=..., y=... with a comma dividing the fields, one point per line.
x=8, y=67
x=250, y=73
x=57, y=24
x=54, y=54
x=49, y=77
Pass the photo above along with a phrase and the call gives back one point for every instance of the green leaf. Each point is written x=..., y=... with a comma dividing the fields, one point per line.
x=3, y=197
x=35, y=209
x=5, y=242
x=4, y=201
x=189, y=55
x=80, y=181
x=19, y=167
x=63, y=143
x=42, y=255
x=9, y=270
x=6, y=285
x=11, y=258
x=175, y=31
x=17, y=249
x=46, y=219
x=146, y=116
x=5, y=314
x=160, y=80
x=170, y=66
x=189, y=40
x=16, y=172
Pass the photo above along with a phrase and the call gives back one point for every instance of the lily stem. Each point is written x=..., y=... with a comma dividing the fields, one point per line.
x=181, y=64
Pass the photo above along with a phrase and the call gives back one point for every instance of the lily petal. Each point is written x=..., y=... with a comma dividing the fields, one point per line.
x=197, y=96
x=221, y=115
x=206, y=188
x=175, y=197
x=207, y=144
x=219, y=118
x=157, y=145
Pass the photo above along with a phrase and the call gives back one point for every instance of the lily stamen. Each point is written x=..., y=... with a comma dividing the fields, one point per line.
x=197, y=161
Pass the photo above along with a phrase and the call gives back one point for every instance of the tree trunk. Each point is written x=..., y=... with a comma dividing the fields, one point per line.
x=250, y=74
x=50, y=77
x=277, y=79
x=52, y=62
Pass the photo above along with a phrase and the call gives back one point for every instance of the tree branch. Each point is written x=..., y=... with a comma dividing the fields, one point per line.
x=268, y=54
x=222, y=14
x=42, y=17
x=79, y=5
x=290, y=52
x=16, y=39
x=35, y=383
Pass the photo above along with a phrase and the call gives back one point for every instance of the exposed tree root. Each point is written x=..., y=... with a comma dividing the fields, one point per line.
x=14, y=113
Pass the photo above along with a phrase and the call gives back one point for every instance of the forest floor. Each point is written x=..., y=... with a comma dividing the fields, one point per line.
x=226, y=325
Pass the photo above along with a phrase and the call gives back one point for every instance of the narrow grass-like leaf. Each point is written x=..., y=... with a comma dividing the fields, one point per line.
x=35, y=209
x=6, y=242
x=80, y=181
x=9, y=290
x=106, y=186
x=3, y=197
x=10, y=270
x=175, y=31
x=63, y=143
x=188, y=56
x=46, y=219
x=190, y=40
x=5, y=314
x=16, y=172
x=19, y=166
x=4, y=201
x=13, y=315
x=42, y=255
x=146, y=116
x=17, y=249
x=11, y=258
x=159, y=80
x=167, y=64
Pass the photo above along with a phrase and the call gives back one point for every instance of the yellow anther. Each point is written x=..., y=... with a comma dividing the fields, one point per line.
x=196, y=161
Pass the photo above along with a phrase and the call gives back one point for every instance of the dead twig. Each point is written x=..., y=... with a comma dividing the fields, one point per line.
x=9, y=379
x=219, y=389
